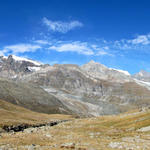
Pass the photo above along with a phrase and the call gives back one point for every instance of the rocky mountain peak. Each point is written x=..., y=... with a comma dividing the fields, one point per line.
x=100, y=71
x=92, y=62
x=13, y=66
x=94, y=66
x=142, y=75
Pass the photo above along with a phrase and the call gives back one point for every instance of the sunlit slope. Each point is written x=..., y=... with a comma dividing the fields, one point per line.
x=11, y=114
x=125, y=131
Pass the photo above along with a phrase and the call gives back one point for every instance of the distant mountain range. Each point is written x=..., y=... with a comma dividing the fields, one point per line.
x=89, y=90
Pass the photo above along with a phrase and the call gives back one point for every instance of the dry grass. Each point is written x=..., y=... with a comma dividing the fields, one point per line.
x=12, y=115
x=89, y=134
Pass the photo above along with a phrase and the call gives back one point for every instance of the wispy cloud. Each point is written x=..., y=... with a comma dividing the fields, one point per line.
x=59, y=26
x=140, y=42
x=43, y=42
x=78, y=47
x=101, y=53
x=20, y=48
x=141, y=39
x=83, y=48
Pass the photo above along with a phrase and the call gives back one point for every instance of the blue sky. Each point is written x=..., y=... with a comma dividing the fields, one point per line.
x=115, y=33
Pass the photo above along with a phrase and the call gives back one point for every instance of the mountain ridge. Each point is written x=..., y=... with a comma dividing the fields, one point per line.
x=88, y=90
x=36, y=63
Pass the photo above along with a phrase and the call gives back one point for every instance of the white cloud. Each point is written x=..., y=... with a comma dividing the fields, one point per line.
x=21, y=48
x=43, y=42
x=141, y=39
x=1, y=53
x=140, y=42
x=122, y=44
x=100, y=50
x=59, y=26
x=106, y=47
x=100, y=53
x=80, y=48
x=94, y=46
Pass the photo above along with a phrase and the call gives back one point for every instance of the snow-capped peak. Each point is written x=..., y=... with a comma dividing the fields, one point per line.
x=25, y=59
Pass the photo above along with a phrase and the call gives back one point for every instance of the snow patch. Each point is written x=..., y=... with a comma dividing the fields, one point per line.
x=34, y=68
x=122, y=71
x=25, y=59
x=143, y=83
x=5, y=57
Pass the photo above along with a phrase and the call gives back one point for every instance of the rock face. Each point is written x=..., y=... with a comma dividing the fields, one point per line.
x=30, y=96
x=100, y=71
x=13, y=66
x=143, y=75
x=90, y=90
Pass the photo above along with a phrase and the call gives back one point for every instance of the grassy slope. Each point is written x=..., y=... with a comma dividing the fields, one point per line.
x=11, y=114
x=91, y=133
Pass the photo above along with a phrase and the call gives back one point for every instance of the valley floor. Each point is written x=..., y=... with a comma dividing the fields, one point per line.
x=129, y=131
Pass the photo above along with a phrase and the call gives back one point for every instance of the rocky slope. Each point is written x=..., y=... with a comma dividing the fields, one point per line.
x=30, y=96
x=12, y=116
x=102, y=72
x=89, y=90
x=142, y=75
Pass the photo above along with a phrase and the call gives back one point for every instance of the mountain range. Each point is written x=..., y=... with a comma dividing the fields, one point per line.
x=88, y=90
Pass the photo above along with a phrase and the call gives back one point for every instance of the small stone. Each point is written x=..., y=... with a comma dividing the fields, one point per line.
x=68, y=145
x=48, y=135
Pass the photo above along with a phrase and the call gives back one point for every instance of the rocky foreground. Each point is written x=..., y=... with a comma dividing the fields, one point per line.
x=129, y=131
